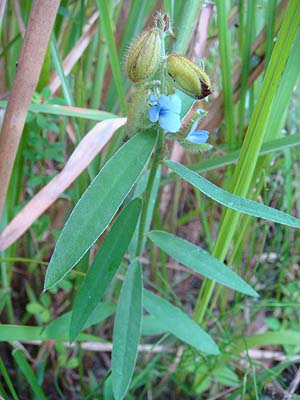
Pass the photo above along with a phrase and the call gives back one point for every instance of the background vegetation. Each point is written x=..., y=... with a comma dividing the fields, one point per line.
x=253, y=119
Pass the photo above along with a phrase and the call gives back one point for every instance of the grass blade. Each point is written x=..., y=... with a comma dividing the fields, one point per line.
x=112, y=50
x=8, y=381
x=29, y=375
x=67, y=111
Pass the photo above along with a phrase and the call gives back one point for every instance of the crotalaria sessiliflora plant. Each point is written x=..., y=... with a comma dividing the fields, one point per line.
x=155, y=115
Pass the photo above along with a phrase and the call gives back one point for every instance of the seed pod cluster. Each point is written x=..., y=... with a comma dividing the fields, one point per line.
x=188, y=76
x=143, y=56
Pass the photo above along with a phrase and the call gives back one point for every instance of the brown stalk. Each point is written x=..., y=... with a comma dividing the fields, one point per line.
x=34, y=48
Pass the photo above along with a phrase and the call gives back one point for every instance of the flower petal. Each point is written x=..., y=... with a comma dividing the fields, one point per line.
x=153, y=99
x=154, y=113
x=164, y=101
x=197, y=136
x=170, y=122
x=175, y=105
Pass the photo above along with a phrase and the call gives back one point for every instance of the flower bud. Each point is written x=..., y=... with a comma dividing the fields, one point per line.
x=143, y=56
x=188, y=76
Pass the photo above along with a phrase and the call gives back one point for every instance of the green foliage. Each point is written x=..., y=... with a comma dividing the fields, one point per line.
x=179, y=323
x=232, y=201
x=92, y=214
x=104, y=266
x=127, y=330
x=200, y=261
x=143, y=221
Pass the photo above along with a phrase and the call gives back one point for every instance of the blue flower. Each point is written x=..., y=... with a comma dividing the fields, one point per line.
x=166, y=110
x=195, y=136
x=198, y=137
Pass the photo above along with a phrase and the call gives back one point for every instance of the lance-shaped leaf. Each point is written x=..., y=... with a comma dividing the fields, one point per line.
x=231, y=200
x=104, y=266
x=179, y=323
x=127, y=330
x=98, y=205
x=200, y=261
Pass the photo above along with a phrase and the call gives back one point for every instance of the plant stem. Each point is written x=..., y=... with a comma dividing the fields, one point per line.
x=155, y=164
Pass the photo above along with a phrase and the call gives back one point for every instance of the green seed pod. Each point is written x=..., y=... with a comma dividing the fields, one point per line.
x=188, y=76
x=143, y=56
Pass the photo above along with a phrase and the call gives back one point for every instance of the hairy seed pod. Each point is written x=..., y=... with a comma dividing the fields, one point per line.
x=143, y=56
x=188, y=76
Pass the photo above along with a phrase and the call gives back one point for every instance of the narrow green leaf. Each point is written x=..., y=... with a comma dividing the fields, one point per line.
x=112, y=51
x=98, y=205
x=67, y=111
x=24, y=333
x=7, y=380
x=226, y=69
x=105, y=265
x=152, y=326
x=127, y=330
x=60, y=71
x=200, y=261
x=281, y=337
x=232, y=201
x=29, y=375
x=179, y=324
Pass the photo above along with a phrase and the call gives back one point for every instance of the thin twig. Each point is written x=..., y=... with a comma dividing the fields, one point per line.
x=107, y=347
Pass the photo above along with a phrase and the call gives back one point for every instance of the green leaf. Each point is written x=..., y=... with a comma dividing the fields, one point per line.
x=230, y=200
x=106, y=25
x=179, y=324
x=200, y=261
x=104, y=266
x=98, y=205
x=282, y=337
x=152, y=326
x=60, y=327
x=127, y=330
x=24, y=333
x=226, y=376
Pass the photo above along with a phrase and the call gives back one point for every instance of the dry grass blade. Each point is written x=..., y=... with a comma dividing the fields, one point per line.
x=89, y=31
x=34, y=48
x=84, y=153
x=107, y=347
